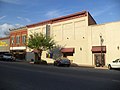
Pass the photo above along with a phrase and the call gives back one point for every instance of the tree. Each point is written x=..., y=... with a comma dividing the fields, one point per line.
x=39, y=42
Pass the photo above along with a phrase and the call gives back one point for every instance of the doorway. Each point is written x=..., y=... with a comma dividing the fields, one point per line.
x=98, y=61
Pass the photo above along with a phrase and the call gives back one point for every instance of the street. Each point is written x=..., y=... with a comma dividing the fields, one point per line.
x=25, y=76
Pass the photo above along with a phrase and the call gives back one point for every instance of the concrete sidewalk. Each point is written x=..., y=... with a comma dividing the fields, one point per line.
x=101, y=67
x=72, y=65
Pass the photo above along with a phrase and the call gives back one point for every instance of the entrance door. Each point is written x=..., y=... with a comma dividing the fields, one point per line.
x=98, y=61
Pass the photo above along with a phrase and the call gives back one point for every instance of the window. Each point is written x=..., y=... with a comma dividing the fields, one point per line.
x=12, y=40
x=23, y=39
x=17, y=39
x=47, y=30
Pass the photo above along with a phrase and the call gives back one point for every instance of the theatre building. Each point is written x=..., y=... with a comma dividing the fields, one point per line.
x=18, y=42
x=82, y=40
x=71, y=33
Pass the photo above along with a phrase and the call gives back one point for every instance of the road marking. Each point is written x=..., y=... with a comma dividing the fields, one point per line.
x=116, y=81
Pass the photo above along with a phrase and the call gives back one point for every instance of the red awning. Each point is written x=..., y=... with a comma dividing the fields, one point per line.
x=35, y=51
x=98, y=49
x=65, y=50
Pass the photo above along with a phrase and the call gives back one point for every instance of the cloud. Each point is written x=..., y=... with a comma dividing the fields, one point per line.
x=103, y=10
x=28, y=20
x=17, y=25
x=11, y=1
x=2, y=17
x=53, y=13
x=24, y=19
x=58, y=13
x=5, y=28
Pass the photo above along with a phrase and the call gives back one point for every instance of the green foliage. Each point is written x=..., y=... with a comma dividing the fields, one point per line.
x=39, y=41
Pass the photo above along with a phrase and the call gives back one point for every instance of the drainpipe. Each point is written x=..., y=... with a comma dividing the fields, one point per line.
x=101, y=42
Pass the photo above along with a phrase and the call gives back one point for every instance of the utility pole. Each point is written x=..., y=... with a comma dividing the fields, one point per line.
x=101, y=42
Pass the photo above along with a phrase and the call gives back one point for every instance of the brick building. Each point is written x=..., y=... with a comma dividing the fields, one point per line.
x=18, y=38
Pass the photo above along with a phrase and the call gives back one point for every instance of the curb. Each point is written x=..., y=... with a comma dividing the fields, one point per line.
x=73, y=65
x=101, y=68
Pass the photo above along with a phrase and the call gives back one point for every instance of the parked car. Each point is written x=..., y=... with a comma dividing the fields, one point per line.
x=62, y=62
x=114, y=64
x=7, y=57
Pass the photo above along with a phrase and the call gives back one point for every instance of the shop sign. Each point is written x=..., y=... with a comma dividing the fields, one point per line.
x=3, y=43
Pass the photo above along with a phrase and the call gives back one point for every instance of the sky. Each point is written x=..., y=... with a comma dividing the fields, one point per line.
x=18, y=13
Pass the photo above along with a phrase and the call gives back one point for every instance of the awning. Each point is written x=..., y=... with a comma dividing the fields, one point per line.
x=35, y=51
x=65, y=50
x=98, y=49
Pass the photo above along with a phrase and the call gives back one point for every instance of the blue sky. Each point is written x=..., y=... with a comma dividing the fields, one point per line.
x=16, y=13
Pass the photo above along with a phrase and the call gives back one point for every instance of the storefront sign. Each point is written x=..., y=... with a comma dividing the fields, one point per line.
x=3, y=43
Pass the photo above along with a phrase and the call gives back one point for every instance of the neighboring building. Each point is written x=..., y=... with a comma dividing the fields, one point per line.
x=4, y=45
x=106, y=35
x=18, y=42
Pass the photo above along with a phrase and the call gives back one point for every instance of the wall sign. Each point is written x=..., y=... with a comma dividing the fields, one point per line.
x=3, y=43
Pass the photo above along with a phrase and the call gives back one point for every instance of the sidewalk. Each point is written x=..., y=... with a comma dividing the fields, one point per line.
x=84, y=66
x=88, y=66
x=72, y=65
x=101, y=67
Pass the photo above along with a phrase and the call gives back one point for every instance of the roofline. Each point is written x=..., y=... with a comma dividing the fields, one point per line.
x=5, y=38
x=20, y=28
x=83, y=13
x=92, y=17
x=105, y=23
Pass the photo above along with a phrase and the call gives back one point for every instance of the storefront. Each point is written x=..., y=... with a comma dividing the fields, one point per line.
x=4, y=45
x=99, y=55
x=19, y=54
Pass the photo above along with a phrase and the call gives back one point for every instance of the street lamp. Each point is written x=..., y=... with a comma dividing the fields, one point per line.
x=101, y=43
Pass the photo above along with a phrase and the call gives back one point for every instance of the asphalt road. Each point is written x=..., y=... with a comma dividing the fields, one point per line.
x=24, y=76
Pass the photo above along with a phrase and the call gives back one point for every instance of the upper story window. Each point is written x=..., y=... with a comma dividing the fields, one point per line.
x=17, y=39
x=12, y=40
x=47, y=30
x=23, y=39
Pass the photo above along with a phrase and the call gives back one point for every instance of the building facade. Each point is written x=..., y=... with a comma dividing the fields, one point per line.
x=80, y=39
x=4, y=45
x=105, y=38
x=18, y=46
x=70, y=32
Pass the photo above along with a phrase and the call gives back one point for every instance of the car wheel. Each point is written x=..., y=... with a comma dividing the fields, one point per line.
x=109, y=67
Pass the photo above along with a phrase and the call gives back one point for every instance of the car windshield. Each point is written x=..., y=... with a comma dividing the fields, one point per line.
x=116, y=60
